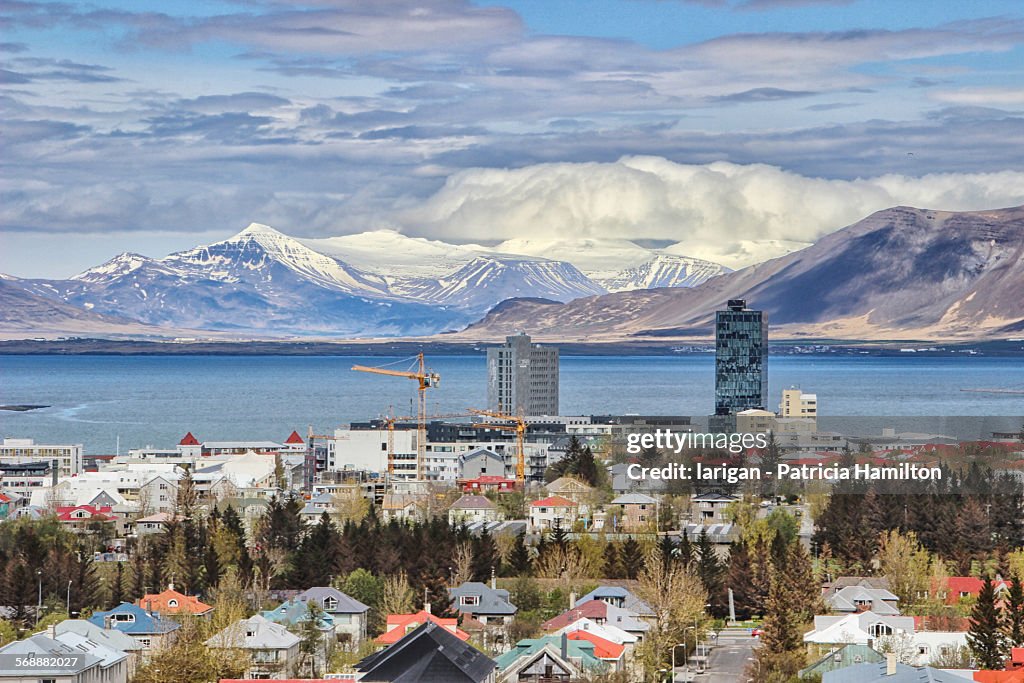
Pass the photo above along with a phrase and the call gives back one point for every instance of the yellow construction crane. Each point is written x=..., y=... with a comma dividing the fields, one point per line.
x=390, y=420
x=426, y=380
x=508, y=423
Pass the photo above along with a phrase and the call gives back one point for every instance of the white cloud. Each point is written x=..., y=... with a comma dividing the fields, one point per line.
x=730, y=213
x=981, y=96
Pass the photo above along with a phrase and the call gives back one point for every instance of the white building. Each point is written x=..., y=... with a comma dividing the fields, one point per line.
x=68, y=456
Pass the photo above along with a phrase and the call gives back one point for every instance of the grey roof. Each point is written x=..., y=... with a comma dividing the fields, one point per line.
x=850, y=598
x=255, y=633
x=492, y=600
x=346, y=604
x=634, y=499
x=714, y=498
x=469, y=501
x=42, y=646
x=618, y=594
x=108, y=656
x=429, y=654
x=874, y=672
x=111, y=637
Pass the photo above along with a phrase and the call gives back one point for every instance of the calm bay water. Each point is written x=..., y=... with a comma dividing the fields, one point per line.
x=156, y=399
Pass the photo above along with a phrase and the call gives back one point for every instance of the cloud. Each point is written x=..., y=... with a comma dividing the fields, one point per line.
x=981, y=96
x=715, y=210
x=763, y=95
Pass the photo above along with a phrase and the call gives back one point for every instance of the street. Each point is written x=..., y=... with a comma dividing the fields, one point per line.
x=729, y=658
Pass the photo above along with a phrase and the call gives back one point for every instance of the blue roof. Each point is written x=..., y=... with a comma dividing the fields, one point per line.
x=140, y=623
x=294, y=612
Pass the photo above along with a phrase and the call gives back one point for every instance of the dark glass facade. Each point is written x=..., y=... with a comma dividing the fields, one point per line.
x=741, y=359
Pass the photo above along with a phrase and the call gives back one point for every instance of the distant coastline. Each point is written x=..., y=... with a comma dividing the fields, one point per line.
x=109, y=347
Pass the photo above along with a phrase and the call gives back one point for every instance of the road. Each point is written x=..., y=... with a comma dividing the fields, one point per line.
x=729, y=658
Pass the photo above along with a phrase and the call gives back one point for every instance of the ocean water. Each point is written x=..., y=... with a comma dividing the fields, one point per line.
x=103, y=401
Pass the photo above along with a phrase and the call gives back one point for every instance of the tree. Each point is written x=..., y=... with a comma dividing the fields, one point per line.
x=462, y=564
x=485, y=556
x=709, y=569
x=519, y=559
x=1015, y=612
x=188, y=660
x=631, y=556
x=397, y=596
x=985, y=637
x=313, y=645
x=677, y=599
x=904, y=561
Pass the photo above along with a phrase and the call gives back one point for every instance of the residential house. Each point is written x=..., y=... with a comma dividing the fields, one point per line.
x=845, y=656
x=399, y=625
x=150, y=631
x=90, y=663
x=316, y=506
x=473, y=508
x=571, y=488
x=548, y=659
x=967, y=588
x=348, y=614
x=710, y=508
x=601, y=613
x=114, y=663
x=400, y=506
x=619, y=597
x=890, y=672
x=87, y=518
x=605, y=631
x=487, y=482
x=609, y=652
x=639, y=511
x=153, y=524
x=481, y=462
x=294, y=612
x=110, y=637
x=273, y=649
x=486, y=604
x=868, y=628
x=428, y=653
x=860, y=599
x=170, y=603
x=547, y=513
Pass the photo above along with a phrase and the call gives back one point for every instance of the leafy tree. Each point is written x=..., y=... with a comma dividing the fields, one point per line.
x=985, y=637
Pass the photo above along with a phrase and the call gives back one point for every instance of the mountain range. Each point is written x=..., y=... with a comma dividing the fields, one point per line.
x=901, y=273
x=261, y=282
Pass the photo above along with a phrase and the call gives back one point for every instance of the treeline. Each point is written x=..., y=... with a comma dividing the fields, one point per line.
x=969, y=516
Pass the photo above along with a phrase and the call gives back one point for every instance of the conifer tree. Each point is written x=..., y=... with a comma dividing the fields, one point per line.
x=631, y=556
x=1015, y=613
x=986, y=637
x=519, y=558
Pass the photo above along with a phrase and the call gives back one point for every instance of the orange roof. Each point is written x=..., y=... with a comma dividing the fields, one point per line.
x=400, y=624
x=999, y=676
x=188, y=440
x=295, y=438
x=173, y=602
x=553, y=502
x=603, y=649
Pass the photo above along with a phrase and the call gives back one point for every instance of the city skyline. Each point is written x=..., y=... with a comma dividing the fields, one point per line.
x=136, y=127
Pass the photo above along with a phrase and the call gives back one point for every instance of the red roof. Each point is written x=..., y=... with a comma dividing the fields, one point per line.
x=603, y=649
x=971, y=585
x=553, y=502
x=591, y=609
x=188, y=440
x=67, y=513
x=401, y=624
x=295, y=438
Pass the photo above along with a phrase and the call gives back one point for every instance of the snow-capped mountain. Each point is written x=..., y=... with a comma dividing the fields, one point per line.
x=373, y=283
x=619, y=265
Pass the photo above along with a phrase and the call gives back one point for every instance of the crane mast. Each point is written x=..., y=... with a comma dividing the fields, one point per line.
x=509, y=423
x=425, y=380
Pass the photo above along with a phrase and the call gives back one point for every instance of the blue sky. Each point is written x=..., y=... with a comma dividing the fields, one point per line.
x=137, y=125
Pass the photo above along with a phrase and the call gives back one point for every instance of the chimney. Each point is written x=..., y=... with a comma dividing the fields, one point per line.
x=170, y=586
x=565, y=647
x=426, y=600
x=108, y=622
x=51, y=632
x=572, y=599
x=890, y=664
x=494, y=580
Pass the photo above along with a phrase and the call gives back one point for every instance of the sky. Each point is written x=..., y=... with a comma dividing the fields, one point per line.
x=738, y=128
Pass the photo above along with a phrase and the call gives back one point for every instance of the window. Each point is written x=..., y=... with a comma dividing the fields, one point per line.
x=145, y=643
x=880, y=629
x=469, y=600
x=124, y=617
x=922, y=649
x=330, y=604
x=172, y=603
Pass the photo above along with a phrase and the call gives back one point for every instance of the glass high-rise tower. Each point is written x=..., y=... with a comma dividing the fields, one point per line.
x=741, y=359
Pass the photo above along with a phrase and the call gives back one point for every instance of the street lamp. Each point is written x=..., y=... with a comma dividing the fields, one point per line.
x=69, y=599
x=682, y=645
x=39, y=606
